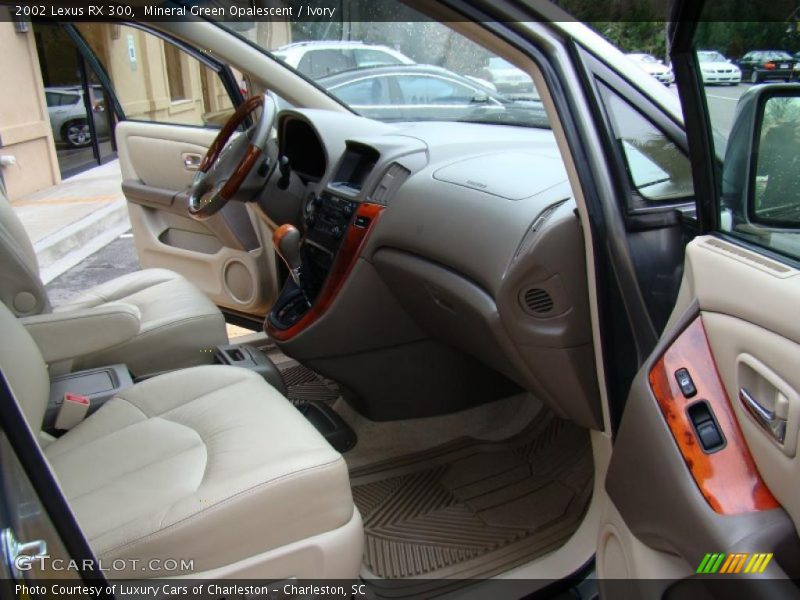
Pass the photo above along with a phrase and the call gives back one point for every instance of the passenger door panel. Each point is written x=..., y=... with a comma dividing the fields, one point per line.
x=677, y=497
x=746, y=300
x=225, y=255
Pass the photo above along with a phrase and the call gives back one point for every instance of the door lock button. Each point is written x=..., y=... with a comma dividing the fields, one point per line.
x=685, y=382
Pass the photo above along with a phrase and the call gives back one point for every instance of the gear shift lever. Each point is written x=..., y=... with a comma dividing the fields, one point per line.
x=286, y=240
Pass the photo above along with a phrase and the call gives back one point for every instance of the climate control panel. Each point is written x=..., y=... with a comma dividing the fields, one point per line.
x=327, y=218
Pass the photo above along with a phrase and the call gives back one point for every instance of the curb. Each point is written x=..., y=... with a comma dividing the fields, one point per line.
x=62, y=250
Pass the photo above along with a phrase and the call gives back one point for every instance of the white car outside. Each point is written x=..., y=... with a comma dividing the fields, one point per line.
x=651, y=65
x=67, y=113
x=715, y=68
x=323, y=58
x=319, y=59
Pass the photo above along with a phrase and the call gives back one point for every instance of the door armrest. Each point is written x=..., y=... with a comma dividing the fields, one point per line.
x=67, y=335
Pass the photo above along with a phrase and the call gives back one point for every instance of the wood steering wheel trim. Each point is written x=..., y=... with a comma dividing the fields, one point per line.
x=247, y=163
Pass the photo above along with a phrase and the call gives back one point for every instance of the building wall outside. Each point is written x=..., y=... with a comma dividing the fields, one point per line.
x=25, y=130
x=141, y=81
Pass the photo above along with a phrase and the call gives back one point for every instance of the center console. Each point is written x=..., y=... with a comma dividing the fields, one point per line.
x=336, y=226
x=253, y=359
x=101, y=384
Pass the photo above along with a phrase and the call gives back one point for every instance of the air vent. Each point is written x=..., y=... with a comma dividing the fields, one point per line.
x=538, y=301
x=394, y=176
x=751, y=258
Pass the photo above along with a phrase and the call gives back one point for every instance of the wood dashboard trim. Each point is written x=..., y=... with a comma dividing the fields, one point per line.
x=343, y=264
x=728, y=478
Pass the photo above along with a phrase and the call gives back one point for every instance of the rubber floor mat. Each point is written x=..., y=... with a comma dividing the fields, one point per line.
x=473, y=509
x=303, y=384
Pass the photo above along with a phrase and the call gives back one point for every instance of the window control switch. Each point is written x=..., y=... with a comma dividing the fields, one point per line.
x=709, y=435
x=706, y=427
x=685, y=382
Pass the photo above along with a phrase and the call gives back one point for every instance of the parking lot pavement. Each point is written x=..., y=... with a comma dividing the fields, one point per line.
x=722, y=102
x=70, y=221
x=47, y=211
x=116, y=259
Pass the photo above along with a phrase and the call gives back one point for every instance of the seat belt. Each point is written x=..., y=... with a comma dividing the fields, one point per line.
x=73, y=410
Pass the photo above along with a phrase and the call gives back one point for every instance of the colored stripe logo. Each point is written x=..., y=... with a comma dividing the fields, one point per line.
x=741, y=562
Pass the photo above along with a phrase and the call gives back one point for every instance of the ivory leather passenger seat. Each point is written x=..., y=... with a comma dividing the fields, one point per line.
x=151, y=320
x=209, y=464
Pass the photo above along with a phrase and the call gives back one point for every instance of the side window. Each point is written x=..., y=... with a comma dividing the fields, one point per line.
x=431, y=90
x=770, y=216
x=61, y=99
x=759, y=138
x=157, y=81
x=658, y=170
x=365, y=92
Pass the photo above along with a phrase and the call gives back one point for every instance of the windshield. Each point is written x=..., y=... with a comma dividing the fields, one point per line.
x=500, y=63
x=646, y=58
x=414, y=70
x=710, y=57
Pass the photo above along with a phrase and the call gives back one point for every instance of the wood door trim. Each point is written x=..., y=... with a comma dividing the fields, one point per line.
x=728, y=479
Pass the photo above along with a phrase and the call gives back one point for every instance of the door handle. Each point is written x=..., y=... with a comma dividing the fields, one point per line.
x=19, y=556
x=766, y=418
x=191, y=162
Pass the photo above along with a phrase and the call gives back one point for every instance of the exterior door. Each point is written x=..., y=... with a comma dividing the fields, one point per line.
x=81, y=118
x=172, y=102
x=704, y=479
x=40, y=541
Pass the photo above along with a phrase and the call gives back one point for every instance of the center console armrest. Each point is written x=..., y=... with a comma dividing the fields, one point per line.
x=67, y=335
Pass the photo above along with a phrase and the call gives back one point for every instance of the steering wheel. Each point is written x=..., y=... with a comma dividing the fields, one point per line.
x=227, y=163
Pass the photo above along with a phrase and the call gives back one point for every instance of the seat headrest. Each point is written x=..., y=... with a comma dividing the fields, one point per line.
x=22, y=290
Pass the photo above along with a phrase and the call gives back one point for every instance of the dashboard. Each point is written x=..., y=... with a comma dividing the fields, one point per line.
x=431, y=238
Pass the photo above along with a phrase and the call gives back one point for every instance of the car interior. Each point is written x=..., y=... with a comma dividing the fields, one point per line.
x=435, y=282
x=464, y=369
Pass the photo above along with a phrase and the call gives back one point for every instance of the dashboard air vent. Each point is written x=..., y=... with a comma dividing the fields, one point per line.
x=538, y=301
x=391, y=180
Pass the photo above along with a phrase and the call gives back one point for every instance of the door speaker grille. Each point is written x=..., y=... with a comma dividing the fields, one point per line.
x=538, y=301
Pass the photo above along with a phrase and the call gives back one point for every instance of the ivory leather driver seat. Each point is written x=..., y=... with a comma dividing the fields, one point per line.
x=208, y=464
x=151, y=320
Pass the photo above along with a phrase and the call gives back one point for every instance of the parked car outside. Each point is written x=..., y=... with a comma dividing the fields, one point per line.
x=650, y=64
x=426, y=92
x=68, y=114
x=319, y=59
x=715, y=68
x=796, y=70
x=761, y=65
